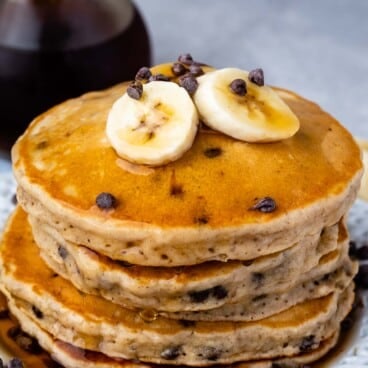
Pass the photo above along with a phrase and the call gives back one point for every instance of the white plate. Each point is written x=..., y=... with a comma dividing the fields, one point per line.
x=355, y=354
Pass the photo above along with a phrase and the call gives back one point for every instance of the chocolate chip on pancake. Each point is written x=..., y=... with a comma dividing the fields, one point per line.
x=185, y=59
x=266, y=205
x=106, y=201
x=212, y=152
x=196, y=69
x=179, y=69
x=189, y=83
x=159, y=77
x=143, y=73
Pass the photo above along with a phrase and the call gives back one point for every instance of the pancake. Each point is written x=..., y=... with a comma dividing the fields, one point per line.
x=265, y=305
x=71, y=356
x=92, y=323
x=185, y=288
x=63, y=161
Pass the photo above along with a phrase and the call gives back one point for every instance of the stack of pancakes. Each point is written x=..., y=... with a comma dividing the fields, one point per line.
x=185, y=269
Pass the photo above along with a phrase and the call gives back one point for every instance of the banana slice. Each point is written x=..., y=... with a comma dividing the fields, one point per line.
x=258, y=116
x=158, y=128
x=363, y=191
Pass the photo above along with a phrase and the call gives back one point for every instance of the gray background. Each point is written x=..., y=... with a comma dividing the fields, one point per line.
x=318, y=48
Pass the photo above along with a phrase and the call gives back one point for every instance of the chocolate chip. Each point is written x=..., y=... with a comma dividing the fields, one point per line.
x=176, y=190
x=202, y=220
x=187, y=323
x=212, y=152
x=14, y=199
x=178, y=69
x=189, y=83
x=124, y=264
x=199, y=296
x=259, y=297
x=266, y=205
x=24, y=341
x=362, y=252
x=257, y=77
x=219, y=292
x=63, y=253
x=106, y=201
x=42, y=145
x=307, y=344
x=159, y=77
x=361, y=278
x=171, y=352
x=239, y=87
x=211, y=353
x=185, y=59
x=135, y=90
x=248, y=263
x=15, y=363
x=14, y=331
x=257, y=277
x=196, y=70
x=143, y=73
x=37, y=312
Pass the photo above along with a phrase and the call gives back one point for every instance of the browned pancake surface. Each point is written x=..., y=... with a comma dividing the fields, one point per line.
x=66, y=154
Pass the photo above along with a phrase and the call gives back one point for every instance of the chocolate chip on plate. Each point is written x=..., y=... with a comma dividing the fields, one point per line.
x=239, y=87
x=257, y=77
x=266, y=205
x=135, y=90
x=106, y=201
x=143, y=73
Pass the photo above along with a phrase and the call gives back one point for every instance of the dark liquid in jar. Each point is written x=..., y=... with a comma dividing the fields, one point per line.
x=33, y=80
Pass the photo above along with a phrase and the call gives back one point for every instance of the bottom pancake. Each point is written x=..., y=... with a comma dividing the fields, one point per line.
x=71, y=356
x=92, y=323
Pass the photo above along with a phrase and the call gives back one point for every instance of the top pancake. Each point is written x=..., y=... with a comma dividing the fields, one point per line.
x=64, y=160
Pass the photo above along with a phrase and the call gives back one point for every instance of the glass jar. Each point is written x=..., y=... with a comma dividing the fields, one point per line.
x=51, y=50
